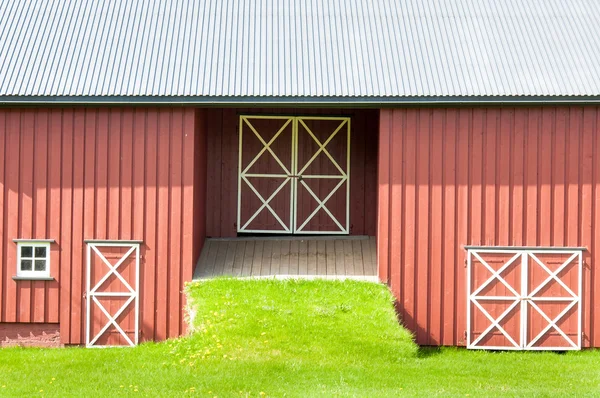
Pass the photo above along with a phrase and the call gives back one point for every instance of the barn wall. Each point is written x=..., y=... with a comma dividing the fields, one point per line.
x=223, y=142
x=107, y=173
x=483, y=176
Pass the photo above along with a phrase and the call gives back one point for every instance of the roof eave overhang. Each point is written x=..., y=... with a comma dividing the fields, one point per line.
x=263, y=101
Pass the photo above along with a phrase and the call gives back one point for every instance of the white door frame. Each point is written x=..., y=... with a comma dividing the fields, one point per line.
x=131, y=293
x=294, y=176
x=525, y=298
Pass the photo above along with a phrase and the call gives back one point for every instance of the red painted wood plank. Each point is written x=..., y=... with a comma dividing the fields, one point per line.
x=545, y=160
x=585, y=219
x=503, y=171
x=151, y=234
x=574, y=198
x=13, y=131
x=192, y=242
x=114, y=175
x=139, y=133
x=175, y=227
x=423, y=243
x=78, y=256
x=449, y=231
x=531, y=181
x=163, y=230
x=476, y=165
x=395, y=156
x=595, y=217
x=214, y=180
x=558, y=137
x=40, y=184
x=518, y=178
x=436, y=226
x=229, y=173
x=357, y=174
x=127, y=169
x=26, y=216
x=66, y=245
x=490, y=154
x=383, y=202
x=3, y=210
x=89, y=196
x=407, y=298
x=464, y=175
x=54, y=214
x=101, y=184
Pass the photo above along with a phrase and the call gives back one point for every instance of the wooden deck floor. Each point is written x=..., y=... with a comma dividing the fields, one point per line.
x=289, y=257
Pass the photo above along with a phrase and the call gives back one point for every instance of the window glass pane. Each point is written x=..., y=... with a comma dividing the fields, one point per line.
x=26, y=251
x=26, y=265
x=40, y=252
x=40, y=265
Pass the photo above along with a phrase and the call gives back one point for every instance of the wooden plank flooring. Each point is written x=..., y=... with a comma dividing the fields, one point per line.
x=289, y=257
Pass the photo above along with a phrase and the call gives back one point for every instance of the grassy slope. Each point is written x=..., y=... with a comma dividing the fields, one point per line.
x=294, y=339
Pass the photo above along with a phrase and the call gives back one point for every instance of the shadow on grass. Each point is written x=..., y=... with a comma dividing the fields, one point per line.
x=428, y=351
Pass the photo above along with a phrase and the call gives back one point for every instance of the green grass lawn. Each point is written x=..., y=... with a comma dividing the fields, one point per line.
x=294, y=338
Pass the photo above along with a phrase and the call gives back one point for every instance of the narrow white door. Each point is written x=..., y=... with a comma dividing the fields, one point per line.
x=112, y=294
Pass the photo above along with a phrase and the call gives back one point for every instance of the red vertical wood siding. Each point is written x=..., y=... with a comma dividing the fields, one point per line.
x=222, y=176
x=483, y=176
x=105, y=173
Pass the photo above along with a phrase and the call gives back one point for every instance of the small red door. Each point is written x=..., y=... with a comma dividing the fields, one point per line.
x=524, y=299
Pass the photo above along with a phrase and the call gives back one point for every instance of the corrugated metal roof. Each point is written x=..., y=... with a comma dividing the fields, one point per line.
x=299, y=48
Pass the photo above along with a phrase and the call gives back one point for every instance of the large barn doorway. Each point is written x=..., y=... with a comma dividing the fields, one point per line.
x=294, y=175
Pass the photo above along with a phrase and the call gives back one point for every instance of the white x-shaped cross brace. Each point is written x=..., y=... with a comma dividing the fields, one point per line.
x=552, y=323
x=322, y=148
x=131, y=294
x=495, y=274
x=265, y=203
x=495, y=322
x=266, y=146
x=112, y=320
x=553, y=275
x=321, y=205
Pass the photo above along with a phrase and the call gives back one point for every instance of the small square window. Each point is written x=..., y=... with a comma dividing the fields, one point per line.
x=33, y=259
x=25, y=265
x=26, y=251
x=40, y=252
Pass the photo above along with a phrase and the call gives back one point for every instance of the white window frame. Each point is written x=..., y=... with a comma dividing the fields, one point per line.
x=33, y=274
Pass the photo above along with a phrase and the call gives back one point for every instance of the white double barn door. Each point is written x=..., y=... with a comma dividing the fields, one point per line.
x=294, y=175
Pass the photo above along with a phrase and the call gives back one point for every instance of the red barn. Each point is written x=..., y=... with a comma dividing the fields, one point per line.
x=448, y=149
